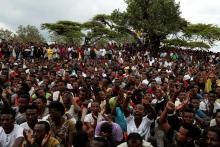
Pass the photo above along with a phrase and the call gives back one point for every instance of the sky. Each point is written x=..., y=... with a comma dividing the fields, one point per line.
x=35, y=12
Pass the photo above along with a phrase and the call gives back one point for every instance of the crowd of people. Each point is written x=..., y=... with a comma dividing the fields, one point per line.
x=114, y=96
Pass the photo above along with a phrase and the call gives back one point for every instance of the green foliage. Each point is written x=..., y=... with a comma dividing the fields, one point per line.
x=186, y=44
x=69, y=31
x=6, y=35
x=28, y=34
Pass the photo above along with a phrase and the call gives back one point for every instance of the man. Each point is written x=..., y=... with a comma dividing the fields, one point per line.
x=41, y=136
x=185, y=136
x=109, y=130
x=92, y=118
x=61, y=128
x=135, y=140
x=213, y=137
x=31, y=118
x=139, y=122
x=99, y=142
x=23, y=101
x=11, y=135
x=41, y=103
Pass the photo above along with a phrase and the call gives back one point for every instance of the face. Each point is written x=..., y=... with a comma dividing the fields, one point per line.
x=139, y=111
x=22, y=103
x=31, y=115
x=54, y=114
x=188, y=117
x=134, y=143
x=39, y=132
x=40, y=104
x=82, y=95
x=67, y=102
x=95, y=107
x=212, y=139
x=7, y=122
x=102, y=96
x=217, y=118
x=195, y=103
x=182, y=135
x=182, y=96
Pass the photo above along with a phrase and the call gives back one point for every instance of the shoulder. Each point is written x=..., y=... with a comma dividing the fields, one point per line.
x=124, y=144
x=53, y=142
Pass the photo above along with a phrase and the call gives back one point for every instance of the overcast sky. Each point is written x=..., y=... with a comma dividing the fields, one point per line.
x=36, y=12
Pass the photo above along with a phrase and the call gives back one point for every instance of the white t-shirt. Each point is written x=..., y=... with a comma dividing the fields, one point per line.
x=26, y=127
x=204, y=105
x=7, y=140
x=88, y=118
x=143, y=129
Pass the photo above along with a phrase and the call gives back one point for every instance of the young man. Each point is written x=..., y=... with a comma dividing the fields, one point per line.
x=41, y=136
x=92, y=118
x=135, y=140
x=31, y=119
x=140, y=122
x=213, y=137
x=11, y=135
x=41, y=103
x=61, y=128
x=185, y=136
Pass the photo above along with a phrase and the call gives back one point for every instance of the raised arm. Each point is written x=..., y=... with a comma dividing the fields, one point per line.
x=163, y=117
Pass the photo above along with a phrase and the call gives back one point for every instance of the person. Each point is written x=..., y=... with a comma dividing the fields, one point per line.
x=139, y=122
x=31, y=119
x=81, y=138
x=213, y=137
x=99, y=142
x=23, y=101
x=216, y=120
x=185, y=136
x=92, y=118
x=135, y=140
x=61, y=128
x=41, y=103
x=41, y=136
x=11, y=134
x=110, y=130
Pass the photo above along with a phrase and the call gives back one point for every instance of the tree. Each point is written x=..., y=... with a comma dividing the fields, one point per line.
x=154, y=18
x=28, y=34
x=69, y=31
x=201, y=36
x=6, y=35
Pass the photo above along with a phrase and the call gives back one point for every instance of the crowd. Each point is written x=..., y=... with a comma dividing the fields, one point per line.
x=115, y=96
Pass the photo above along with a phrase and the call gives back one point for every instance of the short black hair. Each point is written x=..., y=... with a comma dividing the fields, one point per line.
x=46, y=125
x=57, y=106
x=102, y=140
x=6, y=110
x=188, y=109
x=24, y=95
x=43, y=98
x=134, y=136
x=31, y=107
x=106, y=127
x=193, y=131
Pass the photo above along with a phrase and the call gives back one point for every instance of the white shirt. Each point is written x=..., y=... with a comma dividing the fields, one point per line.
x=204, y=105
x=89, y=118
x=144, y=144
x=143, y=129
x=26, y=127
x=7, y=140
x=216, y=106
